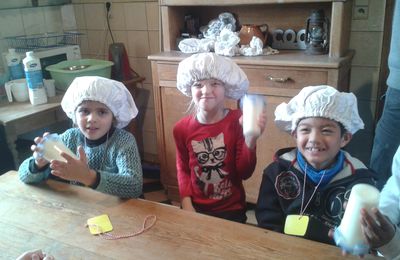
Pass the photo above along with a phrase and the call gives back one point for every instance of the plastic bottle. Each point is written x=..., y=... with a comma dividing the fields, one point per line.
x=34, y=79
x=14, y=64
x=51, y=147
x=253, y=106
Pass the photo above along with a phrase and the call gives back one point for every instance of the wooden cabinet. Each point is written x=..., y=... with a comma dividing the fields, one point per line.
x=277, y=77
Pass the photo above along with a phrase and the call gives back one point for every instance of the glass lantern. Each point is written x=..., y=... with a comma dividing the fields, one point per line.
x=317, y=33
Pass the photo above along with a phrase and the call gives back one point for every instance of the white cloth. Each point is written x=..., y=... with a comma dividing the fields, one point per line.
x=319, y=101
x=193, y=45
x=389, y=205
x=203, y=66
x=111, y=93
x=254, y=48
x=227, y=43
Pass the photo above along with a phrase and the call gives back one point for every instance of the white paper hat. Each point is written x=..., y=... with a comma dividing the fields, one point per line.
x=212, y=66
x=111, y=93
x=319, y=101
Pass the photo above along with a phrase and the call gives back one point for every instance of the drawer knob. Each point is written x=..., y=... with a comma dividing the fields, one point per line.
x=278, y=79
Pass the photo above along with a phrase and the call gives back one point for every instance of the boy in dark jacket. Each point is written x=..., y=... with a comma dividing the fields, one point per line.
x=303, y=191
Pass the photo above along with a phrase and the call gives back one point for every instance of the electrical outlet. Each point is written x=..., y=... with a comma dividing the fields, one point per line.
x=108, y=6
x=360, y=12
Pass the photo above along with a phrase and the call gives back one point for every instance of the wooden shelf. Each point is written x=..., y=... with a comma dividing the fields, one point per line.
x=285, y=58
x=276, y=14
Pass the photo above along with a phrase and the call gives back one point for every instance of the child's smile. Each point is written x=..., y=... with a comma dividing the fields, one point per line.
x=319, y=140
x=209, y=94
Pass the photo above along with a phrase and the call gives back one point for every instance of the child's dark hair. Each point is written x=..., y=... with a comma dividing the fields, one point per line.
x=342, y=129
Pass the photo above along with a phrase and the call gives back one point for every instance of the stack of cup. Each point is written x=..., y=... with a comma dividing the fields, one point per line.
x=50, y=87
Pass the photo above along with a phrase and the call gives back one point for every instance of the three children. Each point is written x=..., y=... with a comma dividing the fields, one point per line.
x=305, y=186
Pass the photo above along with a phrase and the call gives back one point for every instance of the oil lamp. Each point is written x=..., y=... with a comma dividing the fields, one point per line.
x=317, y=33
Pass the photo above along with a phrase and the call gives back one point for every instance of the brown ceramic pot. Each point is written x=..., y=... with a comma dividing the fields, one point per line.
x=247, y=32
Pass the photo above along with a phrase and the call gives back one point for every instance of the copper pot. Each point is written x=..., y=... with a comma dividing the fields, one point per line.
x=247, y=32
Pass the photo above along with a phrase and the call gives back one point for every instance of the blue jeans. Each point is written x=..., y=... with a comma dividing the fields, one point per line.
x=387, y=137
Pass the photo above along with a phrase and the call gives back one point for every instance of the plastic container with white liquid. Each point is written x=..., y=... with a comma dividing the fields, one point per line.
x=34, y=79
x=14, y=64
x=253, y=106
x=349, y=234
x=51, y=147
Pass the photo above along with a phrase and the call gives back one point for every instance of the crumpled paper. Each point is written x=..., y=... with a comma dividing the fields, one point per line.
x=215, y=26
x=254, y=48
x=194, y=45
x=227, y=43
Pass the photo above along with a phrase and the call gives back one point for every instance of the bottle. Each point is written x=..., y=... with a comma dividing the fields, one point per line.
x=253, y=106
x=51, y=147
x=34, y=79
x=349, y=235
x=14, y=64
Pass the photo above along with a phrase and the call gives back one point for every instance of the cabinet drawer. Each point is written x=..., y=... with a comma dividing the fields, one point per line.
x=264, y=80
x=282, y=81
x=167, y=72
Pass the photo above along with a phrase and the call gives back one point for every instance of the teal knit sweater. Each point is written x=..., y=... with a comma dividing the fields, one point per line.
x=118, y=165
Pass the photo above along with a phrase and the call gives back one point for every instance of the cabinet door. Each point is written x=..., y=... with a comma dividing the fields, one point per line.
x=174, y=106
x=271, y=140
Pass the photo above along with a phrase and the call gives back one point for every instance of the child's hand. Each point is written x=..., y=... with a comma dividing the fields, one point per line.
x=74, y=169
x=262, y=122
x=186, y=204
x=377, y=229
x=35, y=255
x=39, y=161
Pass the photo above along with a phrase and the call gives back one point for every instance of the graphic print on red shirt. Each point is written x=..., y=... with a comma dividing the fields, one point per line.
x=211, y=178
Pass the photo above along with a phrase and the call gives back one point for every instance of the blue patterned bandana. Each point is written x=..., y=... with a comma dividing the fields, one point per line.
x=315, y=175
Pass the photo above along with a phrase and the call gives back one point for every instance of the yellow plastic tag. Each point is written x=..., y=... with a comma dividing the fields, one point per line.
x=100, y=224
x=296, y=225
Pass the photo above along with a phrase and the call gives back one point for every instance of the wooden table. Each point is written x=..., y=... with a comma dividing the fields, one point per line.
x=52, y=216
x=20, y=118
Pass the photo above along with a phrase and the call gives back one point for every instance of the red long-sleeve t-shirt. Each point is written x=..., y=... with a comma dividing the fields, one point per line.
x=212, y=160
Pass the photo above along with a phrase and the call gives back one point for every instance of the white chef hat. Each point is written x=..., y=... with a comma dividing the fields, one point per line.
x=209, y=65
x=319, y=101
x=111, y=93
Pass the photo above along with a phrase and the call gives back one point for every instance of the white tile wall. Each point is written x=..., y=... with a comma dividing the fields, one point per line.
x=11, y=23
x=95, y=16
x=368, y=46
x=135, y=16
x=52, y=15
x=375, y=19
x=33, y=20
x=117, y=21
x=136, y=24
x=364, y=82
x=366, y=39
x=68, y=18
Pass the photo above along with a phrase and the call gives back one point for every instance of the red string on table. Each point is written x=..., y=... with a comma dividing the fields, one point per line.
x=146, y=226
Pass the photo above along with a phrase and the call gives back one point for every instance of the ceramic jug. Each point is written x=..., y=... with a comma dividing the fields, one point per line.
x=18, y=89
x=247, y=32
